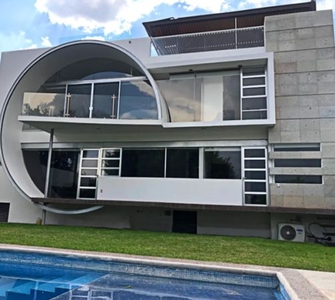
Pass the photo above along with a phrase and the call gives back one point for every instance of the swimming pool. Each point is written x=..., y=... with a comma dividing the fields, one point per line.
x=40, y=276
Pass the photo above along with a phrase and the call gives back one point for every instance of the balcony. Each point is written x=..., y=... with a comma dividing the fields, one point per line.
x=114, y=102
x=208, y=41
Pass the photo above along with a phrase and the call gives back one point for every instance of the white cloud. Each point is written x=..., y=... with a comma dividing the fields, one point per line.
x=15, y=41
x=113, y=16
x=96, y=37
x=326, y=4
x=46, y=41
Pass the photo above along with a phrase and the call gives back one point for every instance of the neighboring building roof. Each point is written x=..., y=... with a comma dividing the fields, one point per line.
x=222, y=21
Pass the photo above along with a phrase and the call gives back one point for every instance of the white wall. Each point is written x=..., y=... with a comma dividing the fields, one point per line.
x=136, y=218
x=171, y=190
x=20, y=210
x=232, y=223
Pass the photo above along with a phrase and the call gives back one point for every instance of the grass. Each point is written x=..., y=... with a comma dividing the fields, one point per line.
x=239, y=250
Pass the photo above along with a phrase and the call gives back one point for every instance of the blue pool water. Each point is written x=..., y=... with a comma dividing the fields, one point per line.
x=40, y=276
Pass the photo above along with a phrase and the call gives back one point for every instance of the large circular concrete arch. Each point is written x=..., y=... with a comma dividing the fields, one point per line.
x=31, y=79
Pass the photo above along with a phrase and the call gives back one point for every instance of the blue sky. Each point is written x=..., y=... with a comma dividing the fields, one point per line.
x=44, y=23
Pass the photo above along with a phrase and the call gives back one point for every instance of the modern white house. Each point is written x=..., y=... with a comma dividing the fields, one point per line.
x=214, y=124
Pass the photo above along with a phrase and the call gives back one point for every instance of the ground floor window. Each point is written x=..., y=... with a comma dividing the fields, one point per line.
x=142, y=163
x=63, y=171
x=75, y=173
x=182, y=163
x=223, y=163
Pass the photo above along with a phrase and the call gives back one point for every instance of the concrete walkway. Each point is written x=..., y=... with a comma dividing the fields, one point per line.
x=323, y=281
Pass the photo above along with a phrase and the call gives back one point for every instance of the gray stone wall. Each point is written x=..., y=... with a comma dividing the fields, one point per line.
x=304, y=59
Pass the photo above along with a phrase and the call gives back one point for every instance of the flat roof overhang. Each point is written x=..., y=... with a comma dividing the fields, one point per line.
x=96, y=126
x=181, y=206
x=86, y=125
x=222, y=21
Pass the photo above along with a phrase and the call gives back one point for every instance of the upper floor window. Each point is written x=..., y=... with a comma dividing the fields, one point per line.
x=239, y=94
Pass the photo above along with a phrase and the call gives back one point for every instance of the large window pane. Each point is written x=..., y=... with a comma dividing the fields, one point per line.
x=206, y=97
x=182, y=163
x=48, y=102
x=223, y=164
x=183, y=98
x=138, y=101
x=220, y=96
x=143, y=163
x=36, y=164
x=105, y=100
x=78, y=100
x=231, y=98
x=63, y=174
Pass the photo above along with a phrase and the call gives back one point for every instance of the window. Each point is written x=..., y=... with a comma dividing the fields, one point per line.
x=296, y=147
x=297, y=163
x=137, y=101
x=183, y=98
x=223, y=163
x=203, y=97
x=78, y=101
x=105, y=100
x=299, y=179
x=182, y=163
x=255, y=178
x=110, y=162
x=36, y=165
x=254, y=94
x=142, y=163
x=63, y=174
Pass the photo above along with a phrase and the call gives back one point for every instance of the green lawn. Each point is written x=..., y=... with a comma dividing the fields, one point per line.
x=254, y=251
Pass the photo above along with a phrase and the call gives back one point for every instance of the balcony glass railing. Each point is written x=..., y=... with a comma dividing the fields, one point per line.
x=208, y=41
x=132, y=100
x=43, y=104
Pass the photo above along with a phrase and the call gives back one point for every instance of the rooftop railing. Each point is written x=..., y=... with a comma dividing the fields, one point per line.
x=209, y=41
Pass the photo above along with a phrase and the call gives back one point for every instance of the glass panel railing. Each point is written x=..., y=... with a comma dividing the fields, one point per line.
x=137, y=101
x=208, y=41
x=43, y=104
x=134, y=100
x=78, y=100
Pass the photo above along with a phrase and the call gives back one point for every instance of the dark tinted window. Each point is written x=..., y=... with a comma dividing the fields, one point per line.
x=299, y=179
x=223, y=164
x=297, y=148
x=143, y=163
x=36, y=164
x=63, y=174
x=297, y=163
x=254, y=164
x=182, y=163
x=255, y=199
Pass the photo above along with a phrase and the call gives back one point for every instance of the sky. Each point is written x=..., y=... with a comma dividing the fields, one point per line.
x=26, y=24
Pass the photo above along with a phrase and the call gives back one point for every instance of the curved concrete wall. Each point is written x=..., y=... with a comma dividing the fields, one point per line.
x=30, y=80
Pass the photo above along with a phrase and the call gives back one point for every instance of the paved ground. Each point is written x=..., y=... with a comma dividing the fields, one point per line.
x=300, y=284
x=323, y=281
